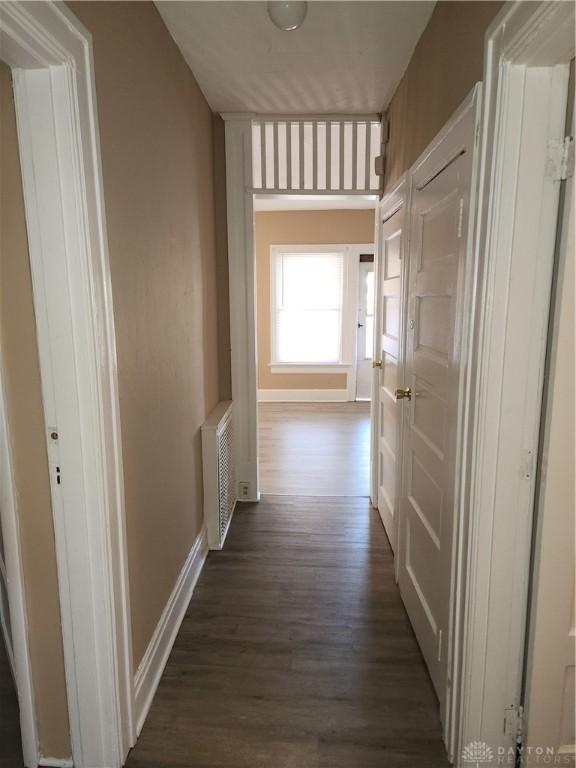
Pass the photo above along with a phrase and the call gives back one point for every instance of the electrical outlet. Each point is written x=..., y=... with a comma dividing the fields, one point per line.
x=244, y=490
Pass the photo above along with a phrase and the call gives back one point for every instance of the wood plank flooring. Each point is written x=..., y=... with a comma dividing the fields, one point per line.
x=320, y=449
x=10, y=742
x=295, y=652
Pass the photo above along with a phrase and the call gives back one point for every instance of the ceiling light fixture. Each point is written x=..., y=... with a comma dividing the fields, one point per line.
x=287, y=14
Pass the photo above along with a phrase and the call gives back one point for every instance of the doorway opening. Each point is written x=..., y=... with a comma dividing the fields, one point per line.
x=314, y=259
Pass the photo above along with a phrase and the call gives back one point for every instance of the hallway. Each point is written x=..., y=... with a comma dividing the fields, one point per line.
x=295, y=652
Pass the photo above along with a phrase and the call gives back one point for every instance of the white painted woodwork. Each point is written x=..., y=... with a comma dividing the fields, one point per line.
x=550, y=690
x=438, y=255
x=314, y=155
x=50, y=55
x=13, y=618
x=151, y=668
x=365, y=312
x=389, y=351
x=242, y=273
x=528, y=49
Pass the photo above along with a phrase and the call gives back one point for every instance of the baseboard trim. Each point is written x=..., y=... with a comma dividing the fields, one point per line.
x=56, y=762
x=152, y=665
x=303, y=395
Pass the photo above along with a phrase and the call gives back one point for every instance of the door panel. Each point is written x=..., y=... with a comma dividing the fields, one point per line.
x=391, y=249
x=438, y=235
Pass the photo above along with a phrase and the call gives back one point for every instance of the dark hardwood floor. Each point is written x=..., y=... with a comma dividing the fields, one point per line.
x=10, y=743
x=296, y=652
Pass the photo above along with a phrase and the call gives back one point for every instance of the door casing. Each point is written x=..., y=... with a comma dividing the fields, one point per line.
x=396, y=201
x=528, y=48
x=50, y=55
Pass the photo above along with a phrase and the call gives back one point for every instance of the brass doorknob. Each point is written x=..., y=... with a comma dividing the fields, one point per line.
x=404, y=393
x=376, y=363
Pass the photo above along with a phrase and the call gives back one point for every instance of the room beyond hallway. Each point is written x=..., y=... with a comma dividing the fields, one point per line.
x=316, y=449
x=295, y=652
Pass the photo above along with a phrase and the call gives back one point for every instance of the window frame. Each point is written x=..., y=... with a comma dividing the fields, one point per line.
x=348, y=310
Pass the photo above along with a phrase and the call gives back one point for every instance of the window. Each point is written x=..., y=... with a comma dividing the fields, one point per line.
x=308, y=290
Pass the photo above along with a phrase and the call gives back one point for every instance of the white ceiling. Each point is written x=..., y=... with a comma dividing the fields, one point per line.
x=347, y=57
x=314, y=202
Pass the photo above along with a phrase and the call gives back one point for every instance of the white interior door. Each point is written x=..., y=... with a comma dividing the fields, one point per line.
x=365, y=330
x=390, y=348
x=550, y=684
x=430, y=390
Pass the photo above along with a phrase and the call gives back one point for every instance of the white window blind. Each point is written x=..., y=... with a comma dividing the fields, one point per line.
x=307, y=307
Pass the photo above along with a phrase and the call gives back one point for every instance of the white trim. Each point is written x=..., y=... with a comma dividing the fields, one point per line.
x=350, y=254
x=303, y=395
x=459, y=134
x=348, y=363
x=396, y=199
x=242, y=274
x=55, y=762
x=524, y=110
x=152, y=665
x=50, y=54
x=309, y=368
x=18, y=649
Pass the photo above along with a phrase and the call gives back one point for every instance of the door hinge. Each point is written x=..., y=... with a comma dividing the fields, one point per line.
x=561, y=158
x=514, y=723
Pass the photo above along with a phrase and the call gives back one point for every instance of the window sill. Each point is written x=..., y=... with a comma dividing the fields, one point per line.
x=309, y=367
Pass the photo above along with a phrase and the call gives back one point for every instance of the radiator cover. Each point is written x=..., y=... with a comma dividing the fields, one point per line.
x=218, y=471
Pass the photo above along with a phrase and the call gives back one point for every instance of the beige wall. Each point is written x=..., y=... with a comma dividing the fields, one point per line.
x=21, y=374
x=221, y=226
x=447, y=62
x=156, y=133
x=299, y=228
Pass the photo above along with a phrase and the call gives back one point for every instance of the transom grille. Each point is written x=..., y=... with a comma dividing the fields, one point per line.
x=315, y=155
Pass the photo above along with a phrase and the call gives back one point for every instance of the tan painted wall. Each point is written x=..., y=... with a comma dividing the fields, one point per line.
x=157, y=156
x=221, y=226
x=299, y=228
x=447, y=62
x=21, y=372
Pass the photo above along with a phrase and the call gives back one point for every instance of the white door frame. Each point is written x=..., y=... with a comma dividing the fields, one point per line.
x=240, y=193
x=50, y=54
x=361, y=269
x=523, y=118
x=394, y=200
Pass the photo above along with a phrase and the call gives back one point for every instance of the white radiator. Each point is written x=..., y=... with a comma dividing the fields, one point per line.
x=218, y=469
